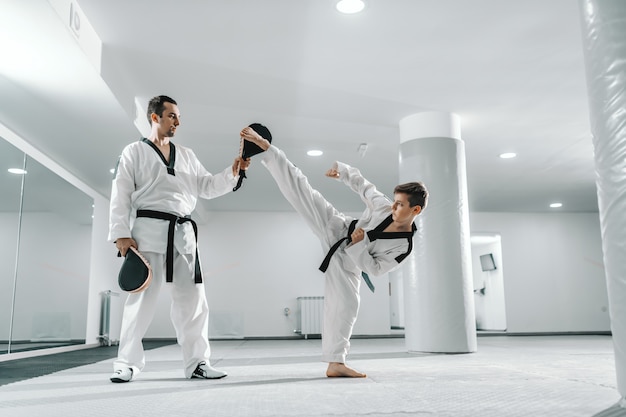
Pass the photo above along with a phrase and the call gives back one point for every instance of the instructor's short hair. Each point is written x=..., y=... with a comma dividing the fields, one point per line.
x=417, y=192
x=156, y=105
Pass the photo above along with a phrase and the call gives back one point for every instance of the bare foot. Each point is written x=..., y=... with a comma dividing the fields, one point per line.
x=337, y=369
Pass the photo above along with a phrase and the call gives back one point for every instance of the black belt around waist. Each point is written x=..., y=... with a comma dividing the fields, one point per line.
x=324, y=266
x=169, y=256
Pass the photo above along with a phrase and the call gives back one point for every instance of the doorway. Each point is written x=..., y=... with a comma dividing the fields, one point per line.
x=488, y=280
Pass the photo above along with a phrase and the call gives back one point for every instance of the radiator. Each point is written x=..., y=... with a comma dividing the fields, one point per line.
x=311, y=311
x=110, y=318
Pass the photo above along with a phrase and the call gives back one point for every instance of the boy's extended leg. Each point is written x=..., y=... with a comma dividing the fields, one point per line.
x=324, y=220
x=341, y=292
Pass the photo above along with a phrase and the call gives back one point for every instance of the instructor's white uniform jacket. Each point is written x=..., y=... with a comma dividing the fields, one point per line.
x=142, y=181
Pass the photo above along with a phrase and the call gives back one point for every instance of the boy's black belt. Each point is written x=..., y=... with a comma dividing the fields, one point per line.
x=324, y=266
x=169, y=256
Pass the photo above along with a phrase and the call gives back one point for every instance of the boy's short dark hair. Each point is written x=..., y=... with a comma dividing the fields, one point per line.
x=157, y=105
x=417, y=192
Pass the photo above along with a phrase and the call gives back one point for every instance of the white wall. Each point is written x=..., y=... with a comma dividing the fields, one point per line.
x=396, y=298
x=553, y=272
x=52, y=280
x=255, y=265
x=105, y=266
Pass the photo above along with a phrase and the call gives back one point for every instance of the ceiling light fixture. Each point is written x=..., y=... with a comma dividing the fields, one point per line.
x=18, y=171
x=350, y=6
x=508, y=155
x=314, y=152
x=556, y=205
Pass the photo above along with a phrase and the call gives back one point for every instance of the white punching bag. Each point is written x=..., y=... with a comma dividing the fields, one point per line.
x=604, y=41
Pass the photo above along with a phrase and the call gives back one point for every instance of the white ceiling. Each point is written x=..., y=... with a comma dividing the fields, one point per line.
x=512, y=70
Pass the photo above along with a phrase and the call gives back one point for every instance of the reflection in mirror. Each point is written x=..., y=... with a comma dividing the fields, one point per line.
x=10, y=188
x=53, y=262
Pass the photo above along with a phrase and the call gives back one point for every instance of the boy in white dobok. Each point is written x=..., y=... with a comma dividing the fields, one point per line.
x=373, y=245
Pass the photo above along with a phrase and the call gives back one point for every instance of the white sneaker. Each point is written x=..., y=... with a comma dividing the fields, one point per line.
x=207, y=372
x=122, y=375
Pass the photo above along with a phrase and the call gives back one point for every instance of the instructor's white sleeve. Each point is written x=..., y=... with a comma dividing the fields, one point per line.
x=373, y=259
x=211, y=186
x=122, y=188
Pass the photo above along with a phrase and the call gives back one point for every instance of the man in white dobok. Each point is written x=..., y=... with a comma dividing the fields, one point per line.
x=157, y=184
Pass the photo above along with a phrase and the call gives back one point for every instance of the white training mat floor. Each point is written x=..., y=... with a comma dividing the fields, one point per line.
x=508, y=376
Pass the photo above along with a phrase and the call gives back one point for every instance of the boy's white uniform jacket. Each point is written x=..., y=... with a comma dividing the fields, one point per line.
x=375, y=255
x=143, y=181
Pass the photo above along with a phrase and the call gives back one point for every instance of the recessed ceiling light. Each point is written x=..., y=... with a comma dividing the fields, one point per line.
x=19, y=171
x=556, y=205
x=314, y=152
x=112, y=170
x=508, y=155
x=350, y=6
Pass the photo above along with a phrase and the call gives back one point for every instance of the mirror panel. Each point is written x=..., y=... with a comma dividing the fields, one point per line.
x=10, y=189
x=53, y=262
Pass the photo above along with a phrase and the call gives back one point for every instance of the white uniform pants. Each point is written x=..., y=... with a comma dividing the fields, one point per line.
x=189, y=313
x=341, y=291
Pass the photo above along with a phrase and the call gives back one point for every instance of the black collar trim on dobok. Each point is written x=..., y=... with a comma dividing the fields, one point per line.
x=377, y=233
x=170, y=165
x=169, y=256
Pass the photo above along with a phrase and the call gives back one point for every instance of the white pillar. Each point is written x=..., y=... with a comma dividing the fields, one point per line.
x=438, y=291
x=604, y=41
x=396, y=299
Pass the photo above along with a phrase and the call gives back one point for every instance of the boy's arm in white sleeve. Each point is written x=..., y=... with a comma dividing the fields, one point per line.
x=367, y=191
x=373, y=266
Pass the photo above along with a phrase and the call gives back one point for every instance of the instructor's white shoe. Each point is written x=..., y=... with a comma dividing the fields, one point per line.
x=122, y=375
x=205, y=371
